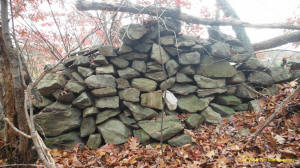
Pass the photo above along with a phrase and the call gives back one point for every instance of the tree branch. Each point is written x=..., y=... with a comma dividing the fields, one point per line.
x=174, y=13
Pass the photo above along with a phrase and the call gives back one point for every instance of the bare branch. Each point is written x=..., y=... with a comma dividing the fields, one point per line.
x=16, y=129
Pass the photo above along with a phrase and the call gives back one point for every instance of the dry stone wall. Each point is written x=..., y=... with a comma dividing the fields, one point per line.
x=106, y=95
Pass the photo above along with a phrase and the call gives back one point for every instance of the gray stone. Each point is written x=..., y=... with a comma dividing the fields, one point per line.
x=84, y=71
x=157, y=76
x=241, y=107
x=130, y=94
x=218, y=69
x=180, y=140
x=88, y=126
x=142, y=136
x=108, y=102
x=134, y=31
x=64, y=141
x=228, y=100
x=90, y=111
x=280, y=74
x=74, y=86
x=159, y=56
x=208, y=92
x=104, y=92
x=144, y=84
x=189, y=70
x=240, y=58
x=220, y=49
x=183, y=89
x=153, y=127
x=41, y=104
x=152, y=100
x=56, y=122
x=231, y=89
x=272, y=90
x=194, y=121
x=239, y=77
x=173, y=51
x=81, y=61
x=122, y=83
x=124, y=49
x=189, y=58
x=107, y=51
x=134, y=56
x=185, y=41
x=69, y=61
x=75, y=76
x=82, y=101
x=198, y=47
x=183, y=78
x=50, y=83
x=139, y=112
x=167, y=40
x=243, y=92
x=63, y=96
x=223, y=110
x=127, y=120
x=119, y=62
x=260, y=78
x=207, y=83
x=139, y=66
x=100, y=81
x=109, y=69
x=143, y=47
x=167, y=84
x=192, y=103
x=114, y=132
x=254, y=106
x=105, y=115
x=211, y=116
x=100, y=60
x=56, y=106
x=94, y=141
x=172, y=67
x=128, y=73
x=153, y=67
x=252, y=64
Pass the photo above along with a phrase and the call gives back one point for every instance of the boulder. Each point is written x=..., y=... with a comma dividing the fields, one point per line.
x=75, y=76
x=133, y=31
x=114, y=132
x=153, y=66
x=152, y=100
x=108, y=69
x=183, y=89
x=217, y=69
x=260, y=78
x=172, y=67
x=105, y=115
x=239, y=77
x=134, y=56
x=139, y=112
x=144, y=84
x=88, y=126
x=241, y=107
x=208, y=92
x=100, y=60
x=167, y=84
x=130, y=122
x=41, y=104
x=180, y=140
x=211, y=116
x=167, y=40
x=124, y=49
x=192, y=103
x=189, y=70
x=130, y=94
x=128, y=73
x=254, y=106
x=139, y=66
x=81, y=61
x=94, y=141
x=228, y=100
x=107, y=51
x=194, y=121
x=189, y=58
x=84, y=71
x=143, y=47
x=122, y=83
x=107, y=102
x=280, y=74
x=159, y=54
x=90, y=111
x=56, y=106
x=82, y=101
x=104, y=92
x=157, y=76
x=119, y=62
x=220, y=49
x=183, y=78
x=50, y=83
x=142, y=136
x=223, y=110
x=74, y=86
x=100, y=81
x=243, y=92
x=65, y=141
x=207, y=83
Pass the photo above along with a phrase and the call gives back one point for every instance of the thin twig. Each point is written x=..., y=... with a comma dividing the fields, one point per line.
x=16, y=129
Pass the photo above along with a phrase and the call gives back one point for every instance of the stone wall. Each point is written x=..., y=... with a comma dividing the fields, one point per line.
x=104, y=95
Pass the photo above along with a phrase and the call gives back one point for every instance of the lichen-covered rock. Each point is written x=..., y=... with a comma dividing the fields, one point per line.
x=84, y=71
x=107, y=51
x=208, y=92
x=100, y=60
x=143, y=47
x=260, y=78
x=64, y=141
x=228, y=100
x=50, y=83
x=280, y=74
x=130, y=94
x=172, y=67
x=104, y=92
x=108, y=102
x=159, y=54
x=100, y=81
x=88, y=126
x=189, y=70
x=144, y=84
x=167, y=84
x=152, y=100
x=105, y=115
x=133, y=31
x=81, y=61
x=94, y=141
x=180, y=140
x=109, y=69
x=122, y=83
x=139, y=66
x=207, y=83
x=211, y=116
x=119, y=62
x=82, y=101
x=194, y=121
x=241, y=107
x=128, y=73
x=45, y=102
x=189, y=58
x=75, y=76
x=223, y=110
x=139, y=112
x=220, y=49
x=217, y=69
x=74, y=86
x=192, y=103
x=134, y=56
x=157, y=76
x=124, y=49
x=183, y=89
x=243, y=92
x=183, y=78
x=90, y=111
x=142, y=136
x=239, y=77
x=114, y=132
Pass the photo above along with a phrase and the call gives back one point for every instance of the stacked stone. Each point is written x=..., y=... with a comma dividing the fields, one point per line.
x=111, y=94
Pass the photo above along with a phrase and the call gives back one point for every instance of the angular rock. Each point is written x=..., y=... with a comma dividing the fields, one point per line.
x=107, y=51
x=124, y=49
x=180, y=140
x=208, y=92
x=45, y=102
x=239, y=77
x=252, y=64
x=280, y=74
x=74, y=86
x=170, y=128
x=172, y=67
x=119, y=62
x=134, y=56
x=139, y=66
x=142, y=136
x=223, y=110
x=220, y=49
x=218, y=69
x=192, y=103
x=231, y=89
x=260, y=78
x=183, y=78
x=94, y=141
x=128, y=73
x=104, y=92
x=81, y=61
x=167, y=84
x=159, y=56
x=228, y=100
x=105, y=115
x=153, y=67
x=56, y=122
x=130, y=94
x=241, y=107
x=139, y=112
x=130, y=122
x=114, y=132
x=144, y=84
x=90, y=111
x=64, y=141
x=100, y=81
x=173, y=51
x=100, y=60
x=185, y=41
x=211, y=116
x=56, y=106
x=134, y=31
x=194, y=121
x=243, y=92
x=254, y=106
x=63, y=96
x=122, y=83
x=183, y=89
x=207, y=83
x=82, y=101
x=50, y=83
x=143, y=47
x=88, y=126
x=109, y=69
x=189, y=70
x=108, y=102
x=167, y=40
x=84, y=71
x=152, y=100
x=272, y=90
x=189, y=58
x=157, y=76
